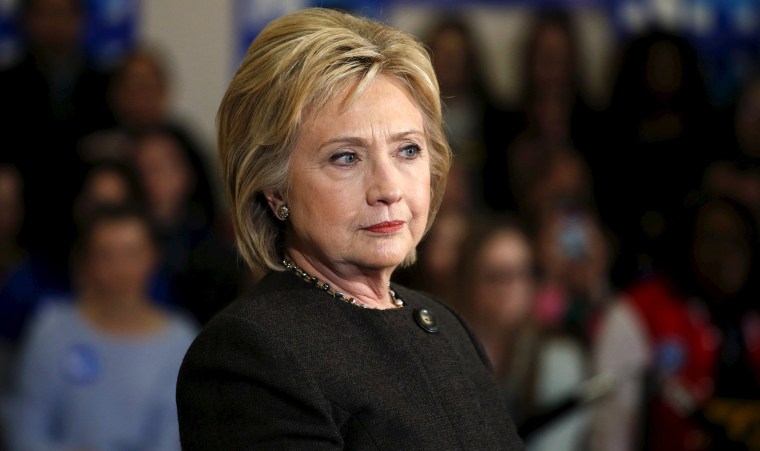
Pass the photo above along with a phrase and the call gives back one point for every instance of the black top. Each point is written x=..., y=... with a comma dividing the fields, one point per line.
x=290, y=367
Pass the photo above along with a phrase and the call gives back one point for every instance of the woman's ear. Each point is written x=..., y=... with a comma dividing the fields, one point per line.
x=274, y=199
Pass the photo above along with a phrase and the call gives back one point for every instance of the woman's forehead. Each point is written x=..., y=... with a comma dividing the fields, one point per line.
x=383, y=106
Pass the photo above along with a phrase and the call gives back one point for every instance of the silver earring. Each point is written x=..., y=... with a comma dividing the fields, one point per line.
x=283, y=212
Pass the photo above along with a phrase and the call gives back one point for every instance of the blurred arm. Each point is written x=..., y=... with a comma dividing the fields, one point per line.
x=33, y=402
x=621, y=350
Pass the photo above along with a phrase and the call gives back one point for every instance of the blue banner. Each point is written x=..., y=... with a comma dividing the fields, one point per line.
x=110, y=30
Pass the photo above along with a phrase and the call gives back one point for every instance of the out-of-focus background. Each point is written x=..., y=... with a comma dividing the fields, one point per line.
x=599, y=232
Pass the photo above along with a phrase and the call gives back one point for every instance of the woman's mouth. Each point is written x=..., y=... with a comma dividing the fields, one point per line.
x=385, y=227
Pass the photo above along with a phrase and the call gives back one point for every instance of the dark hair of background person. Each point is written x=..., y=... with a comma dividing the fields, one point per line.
x=677, y=258
x=632, y=90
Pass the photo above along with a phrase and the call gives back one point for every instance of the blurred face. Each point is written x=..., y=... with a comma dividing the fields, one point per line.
x=551, y=64
x=108, y=187
x=663, y=69
x=165, y=174
x=105, y=187
x=54, y=24
x=563, y=185
x=140, y=95
x=359, y=190
x=721, y=250
x=443, y=243
x=504, y=287
x=119, y=259
x=450, y=60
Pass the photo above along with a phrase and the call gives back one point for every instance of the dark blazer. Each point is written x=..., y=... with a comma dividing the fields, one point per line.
x=290, y=367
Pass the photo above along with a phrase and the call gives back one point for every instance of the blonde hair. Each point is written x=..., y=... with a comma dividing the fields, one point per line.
x=294, y=67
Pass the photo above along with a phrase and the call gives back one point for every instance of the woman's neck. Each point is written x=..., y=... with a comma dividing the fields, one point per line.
x=125, y=317
x=368, y=286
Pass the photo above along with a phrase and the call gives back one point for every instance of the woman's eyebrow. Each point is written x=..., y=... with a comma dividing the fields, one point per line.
x=361, y=142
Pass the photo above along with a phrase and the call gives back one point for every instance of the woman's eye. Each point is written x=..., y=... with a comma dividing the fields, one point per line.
x=344, y=158
x=411, y=151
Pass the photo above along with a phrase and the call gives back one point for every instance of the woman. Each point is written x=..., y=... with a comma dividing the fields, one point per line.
x=98, y=374
x=540, y=369
x=335, y=160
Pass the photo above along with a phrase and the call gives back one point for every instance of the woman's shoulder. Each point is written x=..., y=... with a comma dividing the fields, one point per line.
x=181, y=329
x=263, y=314
x=279, y=294
x=53, y=317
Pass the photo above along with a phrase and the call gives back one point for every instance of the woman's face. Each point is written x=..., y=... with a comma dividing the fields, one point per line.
x=119, y=259
x=552, y=59
x=140, y=96
x=104, y=187
x=359, y=181
x=504, y=281
x=450, y=60
x=165, y=173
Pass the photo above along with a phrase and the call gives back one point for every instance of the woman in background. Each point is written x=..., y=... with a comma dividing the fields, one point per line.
x=538, y=367
x=100, y=373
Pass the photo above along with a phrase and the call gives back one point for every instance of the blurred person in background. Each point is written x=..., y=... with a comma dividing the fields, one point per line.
x=574, y=288
x=36, y=279
x=538, y=367
x=198, y=262
x=551, y=111
x=736, y=173
x=139, y=94
x=663, y=128
x=468, y=104
x=34, y=282
x=685, y=343
x=547, y=178
x=100, y=373
x=435, y=270
x=573, y=249
x=50, y=99
x=438, y=253
x=115, y=183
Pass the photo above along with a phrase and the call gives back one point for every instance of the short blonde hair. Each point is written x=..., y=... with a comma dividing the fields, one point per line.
x=293, y=68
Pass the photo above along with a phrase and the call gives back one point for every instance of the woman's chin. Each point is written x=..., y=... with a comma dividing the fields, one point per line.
x=381, y=258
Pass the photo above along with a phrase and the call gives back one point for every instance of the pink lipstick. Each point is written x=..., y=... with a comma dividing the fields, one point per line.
x=385, y=227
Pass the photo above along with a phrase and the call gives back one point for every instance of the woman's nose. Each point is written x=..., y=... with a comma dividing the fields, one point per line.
x=384, y=184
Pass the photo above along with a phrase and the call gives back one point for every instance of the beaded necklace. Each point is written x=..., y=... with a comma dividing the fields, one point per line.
x=397, y=301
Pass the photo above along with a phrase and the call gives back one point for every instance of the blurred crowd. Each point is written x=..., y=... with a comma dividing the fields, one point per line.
x=114, y=248
x=607, y=258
